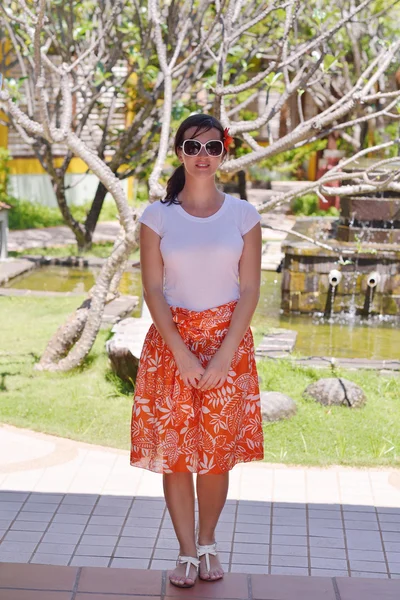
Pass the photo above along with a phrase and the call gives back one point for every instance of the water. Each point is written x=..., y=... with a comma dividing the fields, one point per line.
x=74, y=279
x=339, y=336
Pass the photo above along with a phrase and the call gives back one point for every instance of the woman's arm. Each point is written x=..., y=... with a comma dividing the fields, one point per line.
x=152, y=268
x=250, y=282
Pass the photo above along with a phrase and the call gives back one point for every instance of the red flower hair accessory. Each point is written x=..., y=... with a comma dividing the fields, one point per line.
x=227, y=139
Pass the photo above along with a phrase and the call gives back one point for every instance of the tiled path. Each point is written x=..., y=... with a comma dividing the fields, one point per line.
x=253, y=537
x=69, y=503
x=40, y=582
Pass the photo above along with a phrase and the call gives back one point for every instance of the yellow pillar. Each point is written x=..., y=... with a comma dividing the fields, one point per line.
x=130, y=111
x=312, y=167
x=4, y=49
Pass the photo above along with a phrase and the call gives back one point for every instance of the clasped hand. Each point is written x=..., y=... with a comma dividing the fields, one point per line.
x=216, y=371
x=212, y=376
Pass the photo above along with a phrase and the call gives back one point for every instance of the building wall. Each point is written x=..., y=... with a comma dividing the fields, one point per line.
x=29, y=181
x=38, y=188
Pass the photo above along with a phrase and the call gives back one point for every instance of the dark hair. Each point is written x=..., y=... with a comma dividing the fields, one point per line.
x=176, y=182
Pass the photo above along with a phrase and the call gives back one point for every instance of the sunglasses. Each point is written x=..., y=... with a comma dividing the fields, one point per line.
x=193, y=147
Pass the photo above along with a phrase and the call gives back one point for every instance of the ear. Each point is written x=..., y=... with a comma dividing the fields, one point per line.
x=179, y=154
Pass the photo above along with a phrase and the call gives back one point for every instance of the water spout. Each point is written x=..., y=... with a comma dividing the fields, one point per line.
x=373, y=279
x=334, y=278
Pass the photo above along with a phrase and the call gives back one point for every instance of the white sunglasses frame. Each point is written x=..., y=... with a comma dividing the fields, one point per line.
x=202, y=146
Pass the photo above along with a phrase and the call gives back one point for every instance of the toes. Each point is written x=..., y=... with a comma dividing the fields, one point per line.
x=177, y=580
x=181, y=581
x=216, y=574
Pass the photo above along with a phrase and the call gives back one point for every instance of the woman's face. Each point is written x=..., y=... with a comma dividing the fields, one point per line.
x=202, y=165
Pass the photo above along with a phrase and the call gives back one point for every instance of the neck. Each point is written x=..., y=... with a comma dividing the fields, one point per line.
x=198, y=195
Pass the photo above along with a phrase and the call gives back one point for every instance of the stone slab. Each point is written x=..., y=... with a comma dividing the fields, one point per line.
x=346, y=363
x=36, y=293
x=280, y=341
x=13, y=267
x=118, y=309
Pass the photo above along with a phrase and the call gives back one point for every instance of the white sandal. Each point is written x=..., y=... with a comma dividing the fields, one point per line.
x=188, y=560
x=206, y=551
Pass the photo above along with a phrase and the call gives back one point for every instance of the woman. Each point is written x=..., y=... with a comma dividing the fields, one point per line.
x=197, y=401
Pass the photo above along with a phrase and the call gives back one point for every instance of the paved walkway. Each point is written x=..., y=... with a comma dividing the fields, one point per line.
x=74, y=504
x=45, y=237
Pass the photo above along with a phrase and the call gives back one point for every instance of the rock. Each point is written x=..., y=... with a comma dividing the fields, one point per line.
x=123, y=363
x=336, y=391
x=276, y=406
x=125, y=346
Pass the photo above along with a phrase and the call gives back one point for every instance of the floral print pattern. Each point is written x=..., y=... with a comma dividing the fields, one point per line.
x=176, y=428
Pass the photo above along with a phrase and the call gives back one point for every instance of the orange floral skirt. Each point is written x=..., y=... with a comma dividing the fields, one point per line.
x=176, y=428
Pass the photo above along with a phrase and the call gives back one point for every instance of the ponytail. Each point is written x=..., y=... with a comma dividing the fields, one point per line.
x=175, y=185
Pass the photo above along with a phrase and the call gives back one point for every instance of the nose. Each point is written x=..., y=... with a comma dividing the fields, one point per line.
x=203, y=152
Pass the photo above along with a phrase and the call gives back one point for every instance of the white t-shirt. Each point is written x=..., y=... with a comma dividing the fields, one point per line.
x=201, y=254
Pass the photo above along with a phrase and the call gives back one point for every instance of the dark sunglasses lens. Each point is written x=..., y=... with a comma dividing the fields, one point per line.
x=214, y=148
x=191, y=147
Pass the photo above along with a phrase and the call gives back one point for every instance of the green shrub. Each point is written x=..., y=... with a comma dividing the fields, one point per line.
x=308, y=206
x=30, y=215
x=4, y=174
x=109, y=211
x=291, y=163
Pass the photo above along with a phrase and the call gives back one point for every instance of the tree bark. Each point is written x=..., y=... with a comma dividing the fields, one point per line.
x=75, y=226
x=242, y=184
x=94, y=214
x=66, y=336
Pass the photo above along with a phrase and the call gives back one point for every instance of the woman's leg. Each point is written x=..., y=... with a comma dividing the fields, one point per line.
x=212, y=491
x=179, y=497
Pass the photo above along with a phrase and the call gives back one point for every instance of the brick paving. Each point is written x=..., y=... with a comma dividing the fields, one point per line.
x=42, y=582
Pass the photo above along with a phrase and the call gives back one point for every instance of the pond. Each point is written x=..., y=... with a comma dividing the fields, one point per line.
x=376, y=338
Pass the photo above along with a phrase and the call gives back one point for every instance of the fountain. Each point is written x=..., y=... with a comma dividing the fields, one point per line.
x=362, y=274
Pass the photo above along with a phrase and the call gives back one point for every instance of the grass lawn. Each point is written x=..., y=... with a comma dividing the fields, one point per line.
x=88, y=403
x=319, y=435
x=91, y=404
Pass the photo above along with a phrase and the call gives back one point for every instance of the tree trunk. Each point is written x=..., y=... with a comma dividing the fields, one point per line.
x=75, y=226
x=73, y=341
x=241, y=175
x=242, y=184
x=94, y=214
x=65, y=337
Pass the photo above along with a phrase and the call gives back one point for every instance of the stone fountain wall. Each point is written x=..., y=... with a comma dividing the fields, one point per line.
x=306, y=288
x=369, y=219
